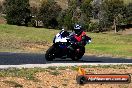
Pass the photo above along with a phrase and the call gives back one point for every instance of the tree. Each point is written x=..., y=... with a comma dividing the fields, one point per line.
x=1, y=9
x=112, y=9
x=128, y=14
x=17, y=11
x=79, y=11
x=48, y=13
x=86, y=13
x=86, y=7
x=67, y=17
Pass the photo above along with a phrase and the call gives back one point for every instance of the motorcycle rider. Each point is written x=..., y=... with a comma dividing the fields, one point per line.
x=79, y=37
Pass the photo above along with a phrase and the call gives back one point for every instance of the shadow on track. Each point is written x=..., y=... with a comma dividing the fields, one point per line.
x=94, y=59
x=7, y=58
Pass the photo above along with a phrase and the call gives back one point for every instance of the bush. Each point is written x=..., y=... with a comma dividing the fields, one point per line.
x=128, y=14
x=65, y=19
x=17, y=11
x=93, y=27
x=1, y=9
x=48, y=13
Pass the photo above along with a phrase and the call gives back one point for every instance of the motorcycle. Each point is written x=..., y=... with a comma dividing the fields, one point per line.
x=60, y=49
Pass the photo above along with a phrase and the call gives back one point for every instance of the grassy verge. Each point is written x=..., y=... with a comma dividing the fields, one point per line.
x=13, y=84
x=15, y=38
x=110, y=44
x=58, y=76
x=29, y=73
x=26, y=73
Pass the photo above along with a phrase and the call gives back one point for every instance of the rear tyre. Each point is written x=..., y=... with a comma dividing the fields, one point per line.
x=50, y=53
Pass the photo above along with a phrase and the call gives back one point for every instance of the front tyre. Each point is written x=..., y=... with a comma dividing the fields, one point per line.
x=78, y=55
x=50, y=53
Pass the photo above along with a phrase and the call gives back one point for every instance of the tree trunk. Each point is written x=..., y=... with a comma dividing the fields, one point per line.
x=115, y=26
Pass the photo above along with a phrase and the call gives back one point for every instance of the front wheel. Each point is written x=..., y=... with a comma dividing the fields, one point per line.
x=50, y=53
x=78, y=55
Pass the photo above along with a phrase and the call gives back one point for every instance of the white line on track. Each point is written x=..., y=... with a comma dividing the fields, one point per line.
x=57, y=64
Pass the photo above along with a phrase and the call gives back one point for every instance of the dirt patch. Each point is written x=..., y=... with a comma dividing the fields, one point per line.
x=66, y=79
x=2, y=20
x=35, y=47
x=130, y=50
x=126, y=31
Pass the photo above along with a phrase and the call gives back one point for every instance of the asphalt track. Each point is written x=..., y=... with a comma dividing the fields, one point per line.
x=31, y=60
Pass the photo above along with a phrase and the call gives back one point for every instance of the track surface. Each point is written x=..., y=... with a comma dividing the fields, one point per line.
x=30, y=60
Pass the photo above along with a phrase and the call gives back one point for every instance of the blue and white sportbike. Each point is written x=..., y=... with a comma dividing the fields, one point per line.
x=60, y=49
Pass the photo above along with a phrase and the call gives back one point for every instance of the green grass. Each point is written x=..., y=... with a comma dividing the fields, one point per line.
x=29, y=73
x=55, y=73
x=25, y=72
x=52, y=68
x=110, y=44
x=13, y=38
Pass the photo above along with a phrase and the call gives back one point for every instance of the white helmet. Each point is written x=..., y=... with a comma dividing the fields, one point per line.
x=77, y=26
x=78, y=29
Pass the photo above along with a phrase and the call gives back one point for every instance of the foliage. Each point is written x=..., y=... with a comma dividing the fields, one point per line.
x=34, y=10
x=78, y=12
x=48, y=13
x=128, y=14
x=86, y=13
x=93, y=27
x=66, y=17
x=86, y=8
x=17, y=11
x=1, y=9
x=113, y=8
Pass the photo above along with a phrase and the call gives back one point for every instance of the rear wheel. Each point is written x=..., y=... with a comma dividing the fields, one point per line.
x=50, y=53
